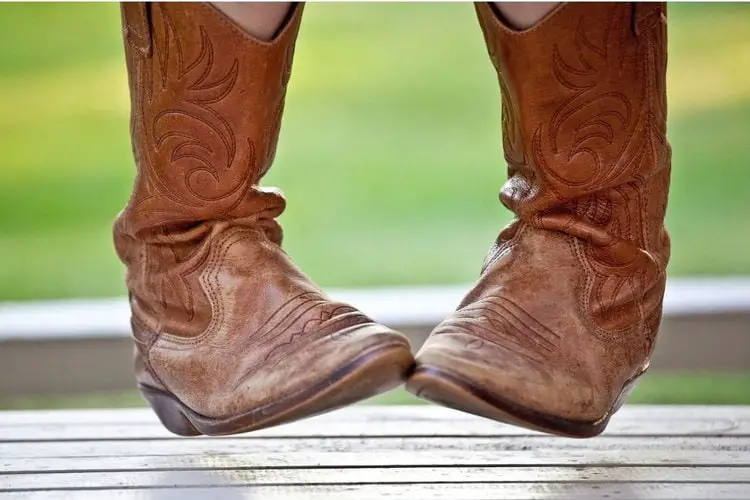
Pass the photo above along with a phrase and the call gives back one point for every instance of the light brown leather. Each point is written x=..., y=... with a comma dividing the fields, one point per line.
x=570, y=297
x=230, y=334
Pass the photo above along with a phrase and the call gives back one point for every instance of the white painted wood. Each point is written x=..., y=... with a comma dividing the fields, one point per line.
x=405, y=306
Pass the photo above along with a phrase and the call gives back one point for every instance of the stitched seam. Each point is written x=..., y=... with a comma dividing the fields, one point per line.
x=217, y=254
x=147, y=354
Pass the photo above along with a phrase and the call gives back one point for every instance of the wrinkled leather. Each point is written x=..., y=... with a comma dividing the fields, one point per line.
x=221, y=316
x=570, y=296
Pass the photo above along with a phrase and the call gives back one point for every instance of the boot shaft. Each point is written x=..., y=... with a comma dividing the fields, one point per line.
x=584, y=120
x=206, y=105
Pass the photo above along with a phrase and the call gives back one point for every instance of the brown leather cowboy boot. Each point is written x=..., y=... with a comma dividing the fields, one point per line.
x=230, y=335
x=563, y=319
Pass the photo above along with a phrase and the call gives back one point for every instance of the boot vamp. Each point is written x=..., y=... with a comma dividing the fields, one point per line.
x=526, y=331
x=271, y=332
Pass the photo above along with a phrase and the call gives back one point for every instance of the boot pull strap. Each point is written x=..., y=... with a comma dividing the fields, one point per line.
x=136, y=22
x=646, y=15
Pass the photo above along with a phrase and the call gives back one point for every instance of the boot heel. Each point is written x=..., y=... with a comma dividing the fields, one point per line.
x=169, y=412
x=627, y=389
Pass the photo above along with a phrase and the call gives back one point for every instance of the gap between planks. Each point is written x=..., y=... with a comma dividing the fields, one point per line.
x=427, y=458
x=547, y=491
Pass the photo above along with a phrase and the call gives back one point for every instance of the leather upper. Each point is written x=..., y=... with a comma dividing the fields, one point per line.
x=221, y=316
x=570, y=297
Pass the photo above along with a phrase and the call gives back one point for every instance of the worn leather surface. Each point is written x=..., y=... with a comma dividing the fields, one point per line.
x=570, y=296
x=221, y=316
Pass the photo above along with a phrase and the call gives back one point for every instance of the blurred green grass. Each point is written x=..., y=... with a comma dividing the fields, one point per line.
x=390, y=154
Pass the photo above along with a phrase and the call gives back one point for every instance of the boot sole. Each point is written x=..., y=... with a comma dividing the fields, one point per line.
x=373, y=372
x=453, y=391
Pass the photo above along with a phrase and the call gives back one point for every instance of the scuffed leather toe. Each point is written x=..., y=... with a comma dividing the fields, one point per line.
x=498, y=371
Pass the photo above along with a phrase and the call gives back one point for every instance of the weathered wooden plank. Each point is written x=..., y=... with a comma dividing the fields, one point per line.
x=379, y=458
x=392, y=475
x=405, y=306
x=372, y=421
x=117, y=448
x=548, y=491
x=369, y=412
x=476, y=427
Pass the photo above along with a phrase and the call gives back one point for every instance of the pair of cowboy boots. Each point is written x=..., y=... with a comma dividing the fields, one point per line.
x=230, y=336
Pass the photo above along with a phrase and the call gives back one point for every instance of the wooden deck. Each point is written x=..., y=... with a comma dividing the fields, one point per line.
x=377, y=452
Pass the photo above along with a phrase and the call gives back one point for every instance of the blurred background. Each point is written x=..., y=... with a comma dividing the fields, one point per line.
x=390, y=157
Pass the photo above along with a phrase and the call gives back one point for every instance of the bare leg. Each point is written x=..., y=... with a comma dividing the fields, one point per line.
x=524, y=15
x=260, y=19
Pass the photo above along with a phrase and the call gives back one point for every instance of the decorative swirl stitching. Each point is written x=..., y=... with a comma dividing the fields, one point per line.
x=471, y=328
x=507, y=320
x=606, y=279
x=172, y=130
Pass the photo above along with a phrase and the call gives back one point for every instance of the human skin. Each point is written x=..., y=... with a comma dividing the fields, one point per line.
x=259, y=19
x=262, y=19
x=524, y=15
